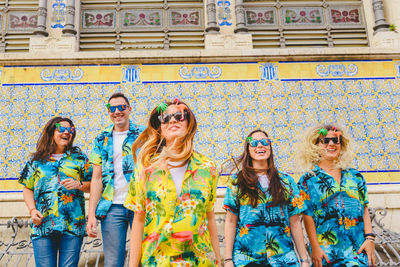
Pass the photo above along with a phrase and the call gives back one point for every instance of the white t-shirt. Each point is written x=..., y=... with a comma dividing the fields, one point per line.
x=57, y=156
x=120, y=184
x=264, y=181
x=177, y=175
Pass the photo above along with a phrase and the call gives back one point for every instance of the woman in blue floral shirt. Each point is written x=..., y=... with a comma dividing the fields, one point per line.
x=336, y=219
x=263, y=207
x=54, y=181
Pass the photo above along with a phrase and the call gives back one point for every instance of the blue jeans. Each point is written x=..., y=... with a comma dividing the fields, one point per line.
x=113, y=230
x=46, y=249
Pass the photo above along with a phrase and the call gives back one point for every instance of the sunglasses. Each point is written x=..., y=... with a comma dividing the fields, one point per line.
x=178, y=116
x=264, y=142
x=62, y=129
x=326, y=140
x=112, y=109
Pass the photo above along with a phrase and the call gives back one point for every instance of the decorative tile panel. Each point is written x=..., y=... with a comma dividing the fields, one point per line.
x=224, y=13
x=228, y=99
x=143, y=18
x=302, y=16
x=260, y=17
x=98, y=19
x=185, y=18
x=59, y=14
x=21, y=21
x=349, y=16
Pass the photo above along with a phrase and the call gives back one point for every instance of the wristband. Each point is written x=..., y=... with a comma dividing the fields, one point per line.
x=370, y=239
x=305, y=260
x=227, y=260
x=370, y=234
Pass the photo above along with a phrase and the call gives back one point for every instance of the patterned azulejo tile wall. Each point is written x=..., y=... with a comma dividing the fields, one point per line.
x=229, y=100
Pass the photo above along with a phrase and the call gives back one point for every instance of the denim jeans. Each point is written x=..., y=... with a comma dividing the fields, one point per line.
x=46, y=249
x=113, y=231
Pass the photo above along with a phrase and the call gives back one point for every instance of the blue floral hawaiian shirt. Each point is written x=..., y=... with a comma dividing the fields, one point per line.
x=263, y=233
x=338, y=213
x=63, y=210
x=102, y=155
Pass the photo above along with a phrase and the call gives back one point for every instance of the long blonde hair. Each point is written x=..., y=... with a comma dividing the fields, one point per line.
x=309, y=153
x=153, y=151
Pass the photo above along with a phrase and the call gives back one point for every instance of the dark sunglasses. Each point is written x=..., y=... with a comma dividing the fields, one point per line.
x=178, y=116
x=326, y=140
x=62, y=129
x=264, y=142
x=112, y=109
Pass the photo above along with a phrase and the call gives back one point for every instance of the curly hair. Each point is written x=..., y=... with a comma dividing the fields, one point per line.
x=309, y=153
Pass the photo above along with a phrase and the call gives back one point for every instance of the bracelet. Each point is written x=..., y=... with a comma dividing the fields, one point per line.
x=370, y=239
x=370, y=234
x=81, y=184
x=30, y=211
x=305, y=260
x=227, y=260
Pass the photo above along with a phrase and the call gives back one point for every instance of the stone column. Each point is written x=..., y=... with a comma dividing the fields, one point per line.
x=41, y=22
x=380, y=21
x=212, y=26
x=240, y=17
x=69, y=29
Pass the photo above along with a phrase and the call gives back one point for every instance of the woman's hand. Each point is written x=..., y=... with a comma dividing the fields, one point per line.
x=36, y=216
x=317, y=255
x=229, y=264
x=71, y=184
x=369, y=247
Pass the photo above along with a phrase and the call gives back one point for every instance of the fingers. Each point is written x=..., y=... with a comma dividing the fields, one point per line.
x=70, y=184
x=36, y=217
x=361, y=248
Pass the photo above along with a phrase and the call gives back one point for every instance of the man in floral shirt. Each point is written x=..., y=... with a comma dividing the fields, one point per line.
x=112, y=170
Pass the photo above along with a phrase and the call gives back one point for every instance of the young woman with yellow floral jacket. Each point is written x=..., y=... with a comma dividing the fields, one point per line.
x=173, y=194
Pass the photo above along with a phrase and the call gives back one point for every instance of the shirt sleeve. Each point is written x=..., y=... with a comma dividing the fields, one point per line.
x=305, y=195
x=362, y=190
x=136, y=197
x=296, y=201
x=213, y=194
x=25, y=177
x=95, y=155
x=230, y=200
x=87, y=170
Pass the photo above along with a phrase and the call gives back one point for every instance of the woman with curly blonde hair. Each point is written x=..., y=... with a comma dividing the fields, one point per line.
x=173, y=194
x=336, y=199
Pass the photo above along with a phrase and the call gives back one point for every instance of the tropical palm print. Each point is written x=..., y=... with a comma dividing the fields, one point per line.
x=338, y=213
x=102, y=155
x=63, y=210
x=175, y=231
x=263, y=233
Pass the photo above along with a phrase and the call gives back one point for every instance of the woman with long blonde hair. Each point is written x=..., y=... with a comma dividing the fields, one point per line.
x=173, y=194
x=337, y=220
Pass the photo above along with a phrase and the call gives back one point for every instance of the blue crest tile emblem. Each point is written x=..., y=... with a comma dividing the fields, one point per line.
x=269, y=72
x=131, y=74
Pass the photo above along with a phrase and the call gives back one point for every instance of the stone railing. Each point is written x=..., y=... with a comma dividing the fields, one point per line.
x=17, y=251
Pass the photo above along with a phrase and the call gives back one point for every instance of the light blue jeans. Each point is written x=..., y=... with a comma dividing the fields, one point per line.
x=46, y=249
x=113, y=231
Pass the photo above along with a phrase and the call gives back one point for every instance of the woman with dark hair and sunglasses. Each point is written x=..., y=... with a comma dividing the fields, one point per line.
x=173, y=194
x=263, y=207
x=337, y=218
x=54, y=181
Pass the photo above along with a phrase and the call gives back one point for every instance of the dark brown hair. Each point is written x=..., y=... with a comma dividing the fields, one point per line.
x=117, y=95
x=247, y=178
x=46, y=146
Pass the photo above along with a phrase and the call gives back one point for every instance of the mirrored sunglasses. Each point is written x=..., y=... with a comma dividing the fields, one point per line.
x=112, y=109
x=62, y=129
x=178, y=116
x=264, y=142
x=326, y=140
